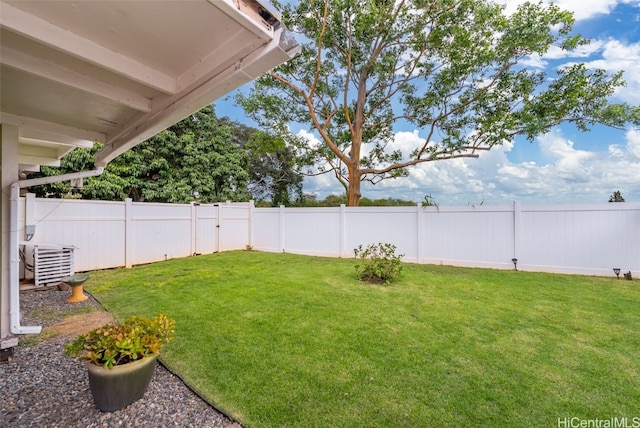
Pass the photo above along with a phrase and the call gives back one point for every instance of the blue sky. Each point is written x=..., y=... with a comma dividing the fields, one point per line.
x=563, y=166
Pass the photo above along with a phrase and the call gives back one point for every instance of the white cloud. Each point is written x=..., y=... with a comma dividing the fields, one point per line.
x=615, y=151
x=582, y=9
x=585, y=51
x=311, y=139
x=515, y=171
x=406, y=142
x=564, y=174
x=534, y=61
x=570, y=164
x=556, y=53
x=633, y=145
x=619, y=56
x=612, y=55
x=587, y=9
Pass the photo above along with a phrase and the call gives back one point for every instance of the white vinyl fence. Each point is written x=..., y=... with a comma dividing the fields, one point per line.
x=582, y=239
x=122, y=234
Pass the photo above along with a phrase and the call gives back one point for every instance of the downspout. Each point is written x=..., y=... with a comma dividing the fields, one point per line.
x=14, y=265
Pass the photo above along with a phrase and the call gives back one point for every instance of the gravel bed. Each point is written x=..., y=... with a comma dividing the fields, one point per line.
x=43, y=387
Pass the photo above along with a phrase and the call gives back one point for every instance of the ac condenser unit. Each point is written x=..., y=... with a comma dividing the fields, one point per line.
x=52, y=263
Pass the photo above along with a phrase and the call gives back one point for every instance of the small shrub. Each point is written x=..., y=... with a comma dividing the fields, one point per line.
x=379, y=263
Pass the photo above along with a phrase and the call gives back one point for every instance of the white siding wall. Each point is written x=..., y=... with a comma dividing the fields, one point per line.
x=584, y=239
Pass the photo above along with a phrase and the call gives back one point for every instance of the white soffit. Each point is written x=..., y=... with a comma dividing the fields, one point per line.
x=118, y=72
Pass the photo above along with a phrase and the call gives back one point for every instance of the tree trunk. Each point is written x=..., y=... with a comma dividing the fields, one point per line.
x=353, y=194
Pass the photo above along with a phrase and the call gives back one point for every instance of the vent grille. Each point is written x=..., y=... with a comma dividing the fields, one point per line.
x=52, y=264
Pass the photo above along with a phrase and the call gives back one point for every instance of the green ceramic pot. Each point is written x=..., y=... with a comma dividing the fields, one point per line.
x=115, y=388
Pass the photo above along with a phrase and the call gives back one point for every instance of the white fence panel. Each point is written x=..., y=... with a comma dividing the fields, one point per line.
x=233, y=230
x=312, y=231
x=468, y=236
x=585, y=239
x=373, y=225
x=111, y=234
x=95, y=228
x=266, y=229
x=590, y=239
x=205, y=230
x=159, y=232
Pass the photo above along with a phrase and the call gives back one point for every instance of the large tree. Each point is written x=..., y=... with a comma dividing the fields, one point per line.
x=616, y=197
x=450, y=68
x=273, y=178
x=195, y=158
x=218, y=158
x=272, y=174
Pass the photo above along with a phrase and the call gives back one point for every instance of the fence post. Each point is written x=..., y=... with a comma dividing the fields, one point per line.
x=217, y=230
x=419, y=234
x=281, y=218
x=193, y=244
x=517, y=225
x=250, y=222
x=128, y=231
x=343, y=229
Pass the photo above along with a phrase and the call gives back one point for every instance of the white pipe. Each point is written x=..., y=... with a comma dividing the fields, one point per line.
x=14, y=265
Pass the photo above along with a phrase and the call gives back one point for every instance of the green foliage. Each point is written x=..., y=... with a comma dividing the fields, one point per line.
x=451, y=69
x=337, y=200
x=379, y=263
x=117, y=344
x=273, y=176
x=272, y=170
x=429, y=201
x=78, y=159
x=616, y=197
x=386, y=202
x=197, y=154
x=217, y=160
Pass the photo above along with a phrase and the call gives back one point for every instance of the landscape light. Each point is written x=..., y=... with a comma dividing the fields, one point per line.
x=515, y=263
x=617, y=272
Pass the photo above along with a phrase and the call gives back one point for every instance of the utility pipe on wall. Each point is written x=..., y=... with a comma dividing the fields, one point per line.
x=14, y=265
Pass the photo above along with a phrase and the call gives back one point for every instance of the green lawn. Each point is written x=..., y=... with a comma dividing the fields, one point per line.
x=279, y=340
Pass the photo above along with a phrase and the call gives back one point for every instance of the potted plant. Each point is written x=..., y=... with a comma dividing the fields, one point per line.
x=120, y=358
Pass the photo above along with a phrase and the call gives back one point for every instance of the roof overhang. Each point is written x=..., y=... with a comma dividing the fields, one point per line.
x=118, y=72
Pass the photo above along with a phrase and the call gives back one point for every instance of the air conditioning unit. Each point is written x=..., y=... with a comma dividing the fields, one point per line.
x=51, y=263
